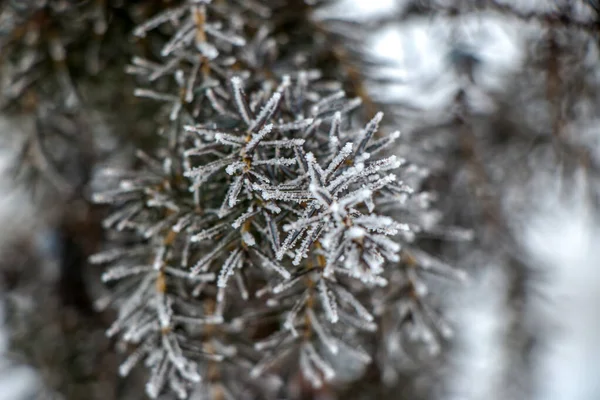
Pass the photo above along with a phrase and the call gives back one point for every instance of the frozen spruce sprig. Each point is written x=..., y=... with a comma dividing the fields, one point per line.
x=255, y=242
x=337, y=244
x=150, y=315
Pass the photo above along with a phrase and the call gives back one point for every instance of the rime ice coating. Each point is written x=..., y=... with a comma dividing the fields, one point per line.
x=250, y=157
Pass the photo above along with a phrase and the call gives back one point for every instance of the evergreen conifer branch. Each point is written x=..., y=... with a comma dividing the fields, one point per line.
x=259, y=245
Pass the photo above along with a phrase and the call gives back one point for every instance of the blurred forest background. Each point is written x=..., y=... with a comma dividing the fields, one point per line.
x=496, y=100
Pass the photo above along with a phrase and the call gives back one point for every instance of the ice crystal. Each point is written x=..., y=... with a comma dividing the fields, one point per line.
x=270, y=203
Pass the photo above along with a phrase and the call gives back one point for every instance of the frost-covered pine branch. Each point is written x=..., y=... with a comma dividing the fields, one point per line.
x=251, y=248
